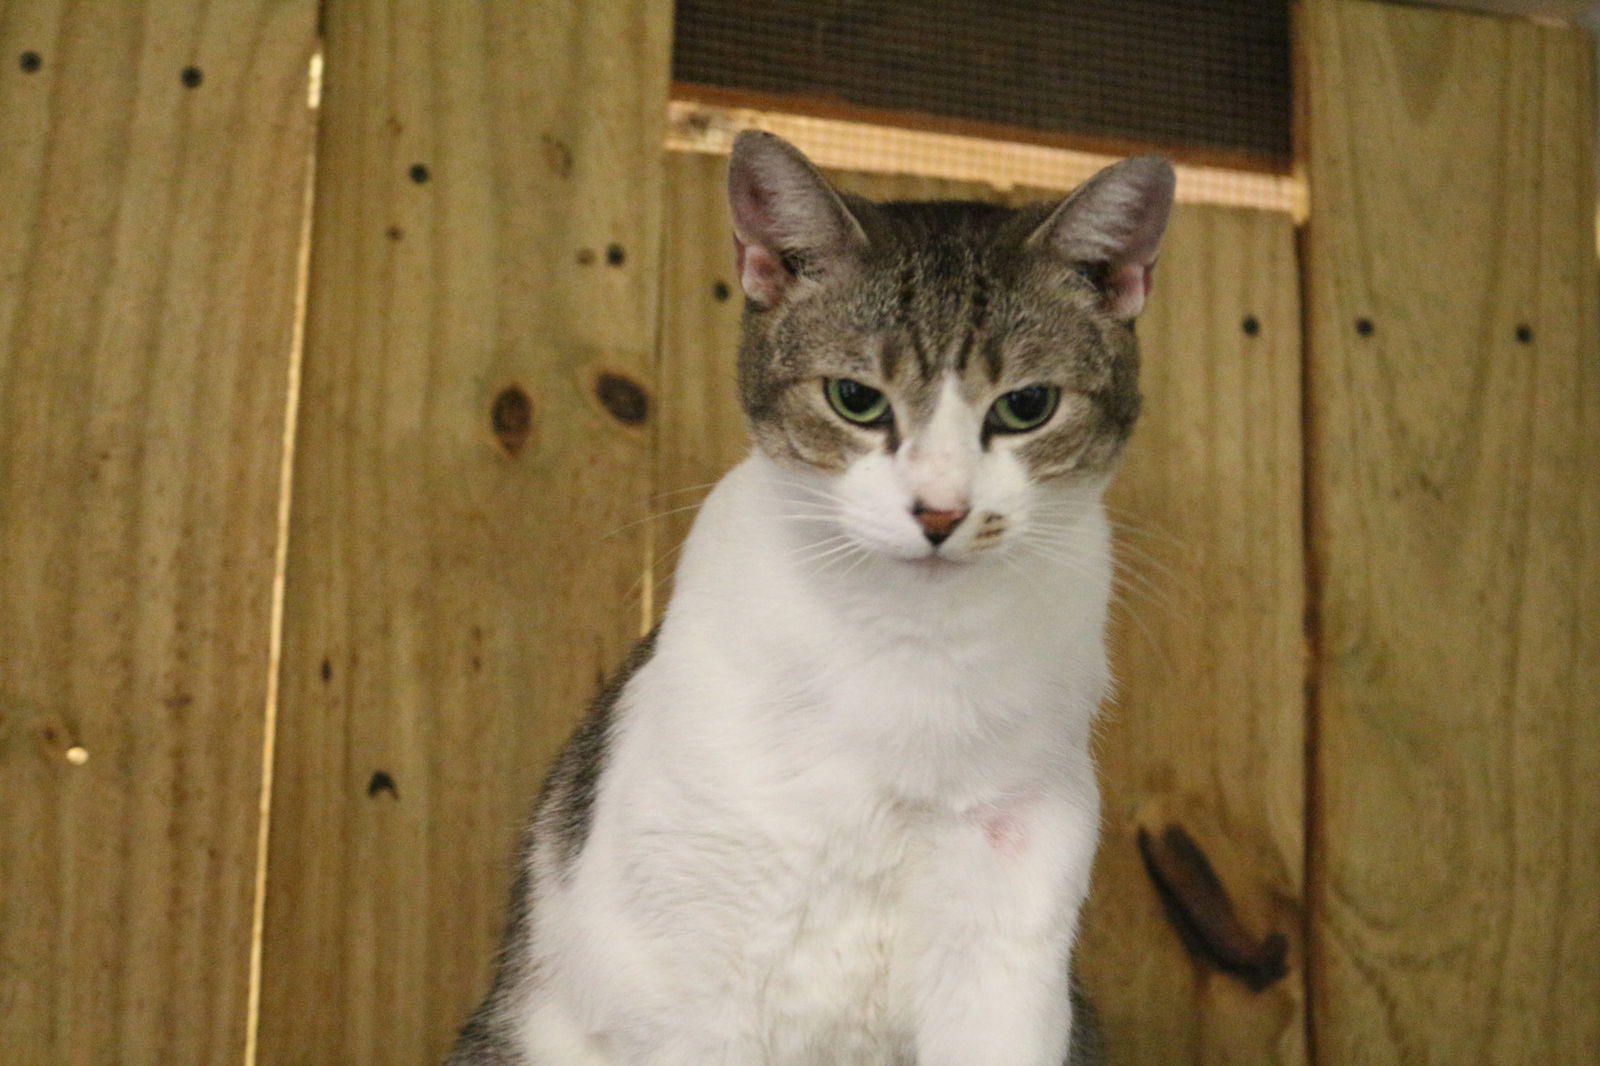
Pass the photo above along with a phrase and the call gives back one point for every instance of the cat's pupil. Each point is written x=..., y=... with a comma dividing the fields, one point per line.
x=856, y=397
x=1029, y=404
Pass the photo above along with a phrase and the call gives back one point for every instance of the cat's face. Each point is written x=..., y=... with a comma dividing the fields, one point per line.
x=940, y=374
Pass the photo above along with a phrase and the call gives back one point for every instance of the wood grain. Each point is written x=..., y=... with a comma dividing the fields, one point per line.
x=148, y=245
x=1206, y=730
x=700, y=433
x=1457, y=529
x=480, y=340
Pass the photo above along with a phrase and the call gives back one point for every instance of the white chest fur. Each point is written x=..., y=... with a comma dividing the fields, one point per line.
x=829, y=806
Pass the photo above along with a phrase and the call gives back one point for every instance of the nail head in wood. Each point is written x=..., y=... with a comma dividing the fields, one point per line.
x=419, y=173
x=1251, y=325
x=720, y=292
x=382, y=782
x=1524, y=333
x=1365, y=327
x=192, y=77
x=616, y=254
x=512, y=419
x=30, y=62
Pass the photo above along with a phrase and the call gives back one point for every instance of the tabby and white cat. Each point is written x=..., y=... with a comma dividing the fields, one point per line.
x=839, y=808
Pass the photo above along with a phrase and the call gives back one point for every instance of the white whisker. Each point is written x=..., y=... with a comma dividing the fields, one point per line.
x=679, y=492
x=650, y=518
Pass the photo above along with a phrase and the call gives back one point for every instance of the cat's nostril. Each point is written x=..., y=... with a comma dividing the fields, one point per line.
x=937, y=525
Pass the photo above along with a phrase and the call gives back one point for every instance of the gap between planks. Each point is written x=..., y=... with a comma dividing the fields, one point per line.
x=280, y=561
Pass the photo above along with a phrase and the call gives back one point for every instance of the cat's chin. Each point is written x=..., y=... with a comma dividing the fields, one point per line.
x=935, y=564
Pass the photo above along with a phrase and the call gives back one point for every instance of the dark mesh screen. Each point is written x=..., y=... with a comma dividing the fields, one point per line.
x=1210, y=76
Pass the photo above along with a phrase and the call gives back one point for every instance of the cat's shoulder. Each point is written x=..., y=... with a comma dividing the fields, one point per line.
x=566, y=805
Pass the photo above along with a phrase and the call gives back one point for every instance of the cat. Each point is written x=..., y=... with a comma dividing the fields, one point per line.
x=839, y=808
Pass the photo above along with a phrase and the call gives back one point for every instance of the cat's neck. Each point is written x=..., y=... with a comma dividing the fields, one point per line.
x=946, y=683
x=761, y=554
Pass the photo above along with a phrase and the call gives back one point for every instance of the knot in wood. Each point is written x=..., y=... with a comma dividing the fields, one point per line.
x=624, y=398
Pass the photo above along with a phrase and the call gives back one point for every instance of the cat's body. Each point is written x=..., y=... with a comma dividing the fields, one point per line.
x=839, y=809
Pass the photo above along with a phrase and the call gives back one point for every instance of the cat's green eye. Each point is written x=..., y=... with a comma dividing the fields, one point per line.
x=1024, y=409
x=858, y=403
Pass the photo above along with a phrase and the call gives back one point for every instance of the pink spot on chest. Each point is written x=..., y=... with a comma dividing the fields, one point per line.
x=1006, y=825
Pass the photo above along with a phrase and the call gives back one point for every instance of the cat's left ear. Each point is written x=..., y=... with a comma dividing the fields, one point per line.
x=1111, y=226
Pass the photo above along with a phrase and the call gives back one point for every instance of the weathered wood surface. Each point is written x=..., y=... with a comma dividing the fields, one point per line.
x=1454, y=380
x=148, y=246
x=474, y=443
x=1206, y=729
x=700, y=432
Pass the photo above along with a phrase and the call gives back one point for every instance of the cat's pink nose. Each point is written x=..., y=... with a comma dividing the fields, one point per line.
x=937, y=525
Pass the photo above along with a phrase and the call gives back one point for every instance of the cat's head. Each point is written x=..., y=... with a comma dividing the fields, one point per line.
x=941, y=372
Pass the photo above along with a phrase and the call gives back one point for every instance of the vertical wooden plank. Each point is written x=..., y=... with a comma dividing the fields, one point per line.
x=148, y=250
x=1207, y=732
x=474, y=434
x=1206, y=729
x=1455, y=403
x=700, y=433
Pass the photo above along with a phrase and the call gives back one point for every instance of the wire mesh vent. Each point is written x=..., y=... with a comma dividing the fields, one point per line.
x=1209, y=78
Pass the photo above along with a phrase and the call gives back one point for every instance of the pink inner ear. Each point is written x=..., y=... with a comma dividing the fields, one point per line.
x=1128, y=287
x=761, y=274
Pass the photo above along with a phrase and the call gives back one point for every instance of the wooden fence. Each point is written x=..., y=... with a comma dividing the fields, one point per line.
x=330, y=437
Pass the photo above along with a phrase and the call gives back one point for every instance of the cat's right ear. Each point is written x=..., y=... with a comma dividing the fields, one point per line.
x=788, y=223
x=1112, y=226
